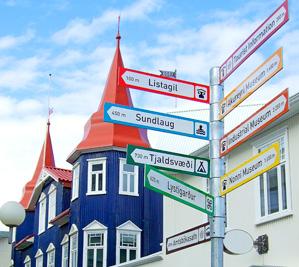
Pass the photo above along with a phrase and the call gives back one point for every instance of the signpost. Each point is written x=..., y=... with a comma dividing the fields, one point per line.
x=250, y=169
x=274, y=22
x=254, y=81
x=256, y=122
x=168, y=161
x=152, y=120
x=164, y=85
x=178, y=190
x=189, y=238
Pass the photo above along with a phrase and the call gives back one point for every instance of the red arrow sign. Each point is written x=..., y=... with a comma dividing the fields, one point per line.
x=163, y=85
x=273, y=23
x=274, y=109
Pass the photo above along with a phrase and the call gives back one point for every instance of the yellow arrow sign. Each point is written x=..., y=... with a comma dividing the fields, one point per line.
x=255, y=80
x=250, y=169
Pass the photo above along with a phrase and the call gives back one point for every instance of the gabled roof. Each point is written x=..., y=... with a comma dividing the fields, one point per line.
x=62, y=175
x=46, y=159
x=99, y=134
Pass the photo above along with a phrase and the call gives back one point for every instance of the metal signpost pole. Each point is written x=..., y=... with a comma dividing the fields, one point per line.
x=217, y=222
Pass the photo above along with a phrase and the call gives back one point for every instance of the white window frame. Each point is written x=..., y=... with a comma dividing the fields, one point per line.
x=65, y=246
x=50, y=253
x=128, y=228
x=39, y=257
x=27, y=261
x=51, y=204
x=73, y=262
x=42, y=213
x=122, y=161
x=95, y=228
x=261, y=144
x=75, y=181
x=92, y=162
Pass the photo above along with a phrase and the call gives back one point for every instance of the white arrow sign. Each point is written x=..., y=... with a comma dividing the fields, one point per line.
x=152, y=120
x=256, y=122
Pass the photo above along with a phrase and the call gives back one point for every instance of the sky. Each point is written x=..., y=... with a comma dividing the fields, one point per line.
x=74, y=41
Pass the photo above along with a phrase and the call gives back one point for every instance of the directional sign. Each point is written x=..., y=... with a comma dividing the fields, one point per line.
x=164, y=85
x=178, y=190
x=152, y=120
x=254, y=81
x=188, y=238
x=274, y=22
x=250, y=169
x=168, y=161
x=256, y=122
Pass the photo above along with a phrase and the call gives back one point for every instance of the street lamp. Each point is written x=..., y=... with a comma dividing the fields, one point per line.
x=12, y=214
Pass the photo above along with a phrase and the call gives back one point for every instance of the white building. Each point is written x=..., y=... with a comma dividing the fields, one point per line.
x=5, y=249
x=267, y=205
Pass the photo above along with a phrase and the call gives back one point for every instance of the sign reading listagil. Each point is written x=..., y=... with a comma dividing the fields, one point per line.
x=250, y=169
x=274, y=22
x=163, y=85
x=274, y=109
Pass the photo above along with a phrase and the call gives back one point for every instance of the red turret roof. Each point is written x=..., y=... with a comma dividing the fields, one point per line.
x=99, y=134
x=46, y=159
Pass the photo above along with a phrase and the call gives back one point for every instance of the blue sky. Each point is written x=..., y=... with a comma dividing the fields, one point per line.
x=75, y=42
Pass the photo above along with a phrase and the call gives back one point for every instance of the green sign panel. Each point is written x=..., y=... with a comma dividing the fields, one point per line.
x=168, y=161
x=176, y=189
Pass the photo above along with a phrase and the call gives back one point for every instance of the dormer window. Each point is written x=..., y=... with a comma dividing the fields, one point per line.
x=42, y=213
x=128, y=242
x=128, y=178
x=96, y=176
x=52, y=204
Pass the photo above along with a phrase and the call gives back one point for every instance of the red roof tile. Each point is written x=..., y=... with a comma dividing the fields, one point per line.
x=63, y=175
x=99, y=134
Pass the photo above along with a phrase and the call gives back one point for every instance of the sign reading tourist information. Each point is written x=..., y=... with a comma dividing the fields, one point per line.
x=163, y=85
x=254, y=81
x=256, y=122
x=260, y=163
x=279, y=17
x=152, y=120
x=178, y=190
x=188, y=238
x=168, y=161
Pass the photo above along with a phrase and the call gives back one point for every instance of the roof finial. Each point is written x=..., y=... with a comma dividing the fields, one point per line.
x=50, y=110
x=118, y=34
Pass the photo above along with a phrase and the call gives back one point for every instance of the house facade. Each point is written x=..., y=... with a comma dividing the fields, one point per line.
x=98, y=214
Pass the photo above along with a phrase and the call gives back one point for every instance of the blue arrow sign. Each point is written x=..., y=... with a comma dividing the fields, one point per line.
x=152, y=120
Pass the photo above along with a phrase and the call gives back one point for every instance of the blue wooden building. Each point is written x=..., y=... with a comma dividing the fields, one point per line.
x=98, y=214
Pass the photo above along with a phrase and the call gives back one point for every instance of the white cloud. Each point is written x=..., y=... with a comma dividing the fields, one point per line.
x=81, y=31
x=9, y=41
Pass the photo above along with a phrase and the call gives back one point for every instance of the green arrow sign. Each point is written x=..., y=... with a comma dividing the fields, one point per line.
x=168, y=161
x=178, y=190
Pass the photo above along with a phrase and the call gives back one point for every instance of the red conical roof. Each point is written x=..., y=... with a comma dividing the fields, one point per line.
x=99, y=134
x=46, y=159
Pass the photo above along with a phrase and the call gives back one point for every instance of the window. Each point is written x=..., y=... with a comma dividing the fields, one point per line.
x=128, y=178
x=51, y=256
x=39, y=258
x=52, y=204
x=95, y=244
x=65, y=251
x=96, y=176
x=73, y=246
x=274, y=185
x=128, y=242
x=75, y=186
x=27, y=261
x=42, y=213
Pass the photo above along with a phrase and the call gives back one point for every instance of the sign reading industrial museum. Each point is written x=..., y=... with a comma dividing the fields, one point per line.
x=164, y=85
x=254, y=81
x=168, y=160
x=152, y=120
x=191, y=237
x=256, y=122
x=250, y=169
x=274, y=22
x=178, y=190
